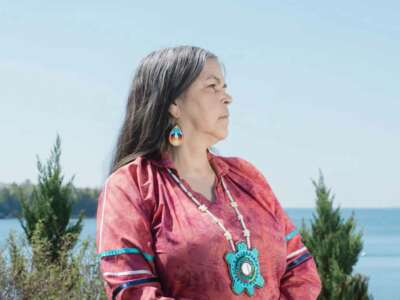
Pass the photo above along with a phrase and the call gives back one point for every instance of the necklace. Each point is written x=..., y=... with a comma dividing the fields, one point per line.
x=242, y=261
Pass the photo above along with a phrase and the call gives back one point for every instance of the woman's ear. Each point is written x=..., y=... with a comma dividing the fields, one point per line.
x=174, y=109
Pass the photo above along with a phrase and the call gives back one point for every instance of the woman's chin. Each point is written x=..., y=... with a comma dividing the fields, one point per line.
x=223, y=134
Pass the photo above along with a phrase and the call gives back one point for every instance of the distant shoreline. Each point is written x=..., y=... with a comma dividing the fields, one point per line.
x=93, y=216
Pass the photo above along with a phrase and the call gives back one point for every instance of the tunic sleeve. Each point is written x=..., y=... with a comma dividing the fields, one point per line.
x=301, y=279
x=124, y=242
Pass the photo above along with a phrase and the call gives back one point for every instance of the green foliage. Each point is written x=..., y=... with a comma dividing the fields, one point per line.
x=47, y=211
x=9, y=204
x=26, y=272
x=45, y=264
x=335, y=247
x=85, y=199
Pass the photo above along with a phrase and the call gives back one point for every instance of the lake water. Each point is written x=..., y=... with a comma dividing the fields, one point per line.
x=381, y=262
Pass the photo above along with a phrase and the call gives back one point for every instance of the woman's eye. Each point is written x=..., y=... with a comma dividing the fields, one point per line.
x=213, y=85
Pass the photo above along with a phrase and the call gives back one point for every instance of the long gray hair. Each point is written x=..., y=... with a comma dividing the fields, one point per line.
x=160, y=78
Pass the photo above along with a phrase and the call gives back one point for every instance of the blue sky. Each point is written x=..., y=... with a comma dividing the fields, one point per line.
x=315, y=86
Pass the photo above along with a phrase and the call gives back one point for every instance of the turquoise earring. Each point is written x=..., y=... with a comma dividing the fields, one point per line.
x=176, y=136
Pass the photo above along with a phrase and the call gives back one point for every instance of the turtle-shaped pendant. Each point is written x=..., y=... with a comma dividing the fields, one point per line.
x=244, y=269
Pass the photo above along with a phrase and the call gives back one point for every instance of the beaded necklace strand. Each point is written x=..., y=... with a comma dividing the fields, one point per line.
x=242, y=262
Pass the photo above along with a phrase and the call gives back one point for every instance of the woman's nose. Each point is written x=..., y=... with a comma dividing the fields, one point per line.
x=228, y=98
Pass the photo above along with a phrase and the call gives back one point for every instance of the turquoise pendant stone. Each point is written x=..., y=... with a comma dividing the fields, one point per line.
x=244, y=269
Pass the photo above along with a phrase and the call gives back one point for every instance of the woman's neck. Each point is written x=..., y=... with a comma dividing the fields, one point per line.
x=191, y=162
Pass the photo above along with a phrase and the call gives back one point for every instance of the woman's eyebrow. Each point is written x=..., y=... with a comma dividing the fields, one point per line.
x=217, y=79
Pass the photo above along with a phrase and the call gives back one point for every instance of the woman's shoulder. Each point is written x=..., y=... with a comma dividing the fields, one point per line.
x=141, y=170
x=243, y=167
x=130, y=180
x=128, y=174
x=245, y=172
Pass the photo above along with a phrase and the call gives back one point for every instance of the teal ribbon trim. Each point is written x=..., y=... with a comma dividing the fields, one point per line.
x=126, y=251
x=292, y=234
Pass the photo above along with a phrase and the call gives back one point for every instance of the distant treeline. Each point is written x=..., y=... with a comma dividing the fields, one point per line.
x=85, y=199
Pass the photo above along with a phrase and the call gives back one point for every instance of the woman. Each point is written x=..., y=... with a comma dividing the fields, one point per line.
x=177, y=221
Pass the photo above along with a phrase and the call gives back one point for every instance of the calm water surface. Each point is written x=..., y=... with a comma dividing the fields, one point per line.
x=381, y=260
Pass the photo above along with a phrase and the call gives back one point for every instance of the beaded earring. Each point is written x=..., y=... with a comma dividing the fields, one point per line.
x=176, y=136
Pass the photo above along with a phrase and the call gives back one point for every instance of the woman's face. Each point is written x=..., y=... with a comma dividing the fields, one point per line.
x=202, y=110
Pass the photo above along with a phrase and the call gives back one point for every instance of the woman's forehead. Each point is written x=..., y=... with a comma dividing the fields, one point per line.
x=214, y=76
x=211, y=71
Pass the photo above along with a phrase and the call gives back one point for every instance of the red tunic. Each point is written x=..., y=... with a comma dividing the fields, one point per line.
x=154, y=243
